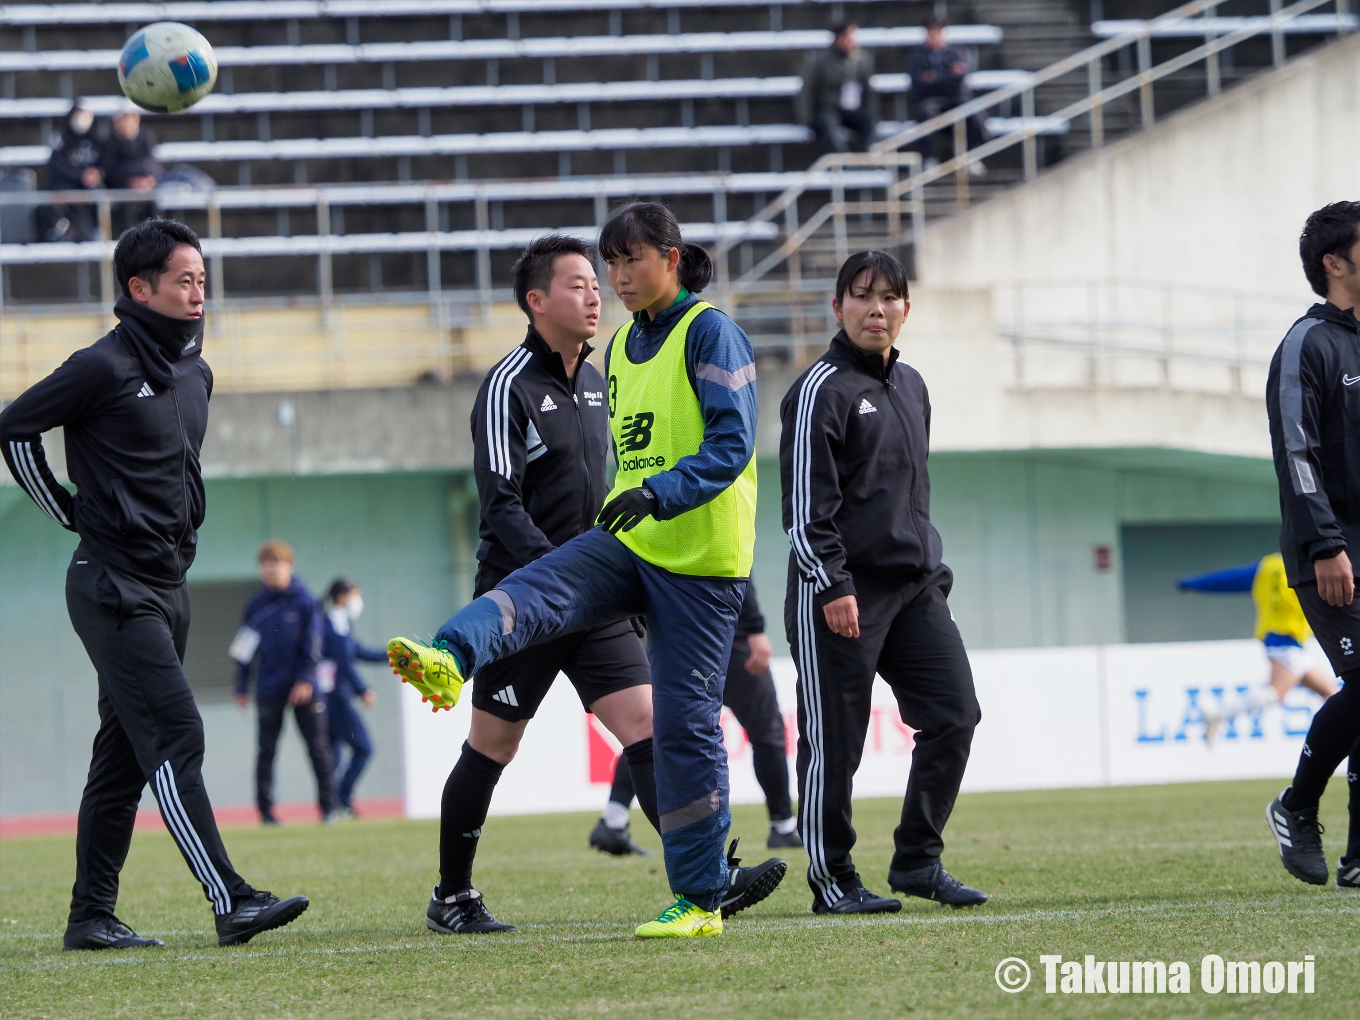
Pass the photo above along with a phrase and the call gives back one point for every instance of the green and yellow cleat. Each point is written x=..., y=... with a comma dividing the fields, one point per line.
x=430, y=669
x=682, y=920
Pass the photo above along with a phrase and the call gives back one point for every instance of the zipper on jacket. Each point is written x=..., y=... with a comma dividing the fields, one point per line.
x=893, y=393
x=183, y=481
x=587, y=518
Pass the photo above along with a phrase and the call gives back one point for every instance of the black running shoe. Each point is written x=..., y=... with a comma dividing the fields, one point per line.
x=260, y=911
x=934, y=883
x=1298, y=834
x=748, y=886
x=614, y=841
x=1347, y=875
x=463, y=913
x=104, y=933
x=780, y=840
x=857, y=900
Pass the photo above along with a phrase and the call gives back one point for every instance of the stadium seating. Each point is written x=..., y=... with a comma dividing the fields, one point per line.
x=1200, y=28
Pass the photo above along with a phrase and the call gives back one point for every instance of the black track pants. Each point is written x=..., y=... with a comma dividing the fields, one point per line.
x=149, y=732
x=752, y=700
x=313, y=725
x=907, y=636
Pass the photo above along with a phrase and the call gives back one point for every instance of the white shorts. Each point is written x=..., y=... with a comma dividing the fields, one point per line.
x=1295, y=658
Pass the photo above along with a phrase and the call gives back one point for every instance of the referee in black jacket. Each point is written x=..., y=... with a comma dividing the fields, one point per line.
x=867, y=594
x=1313, y=400
x=135, y=408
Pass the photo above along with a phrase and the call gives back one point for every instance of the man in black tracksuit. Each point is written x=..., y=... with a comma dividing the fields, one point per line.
x=867, y=594
x=1313, y=400
x=135, y=408
x=540, y=427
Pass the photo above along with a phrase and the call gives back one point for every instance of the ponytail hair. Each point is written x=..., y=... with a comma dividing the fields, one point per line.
x=643, y=224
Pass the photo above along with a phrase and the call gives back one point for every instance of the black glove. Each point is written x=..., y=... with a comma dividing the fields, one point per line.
x=628, y=509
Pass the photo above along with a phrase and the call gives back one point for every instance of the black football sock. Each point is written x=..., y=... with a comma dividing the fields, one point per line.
x=1334, y=731
x=1353, y=784
x=467, y=797
x=642, y=768
x=622, y=792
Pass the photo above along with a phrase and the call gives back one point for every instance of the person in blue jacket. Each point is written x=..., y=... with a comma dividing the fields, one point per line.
x=281, y=635
x=340, y=651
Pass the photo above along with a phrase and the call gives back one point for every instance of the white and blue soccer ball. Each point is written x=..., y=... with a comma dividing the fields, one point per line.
x=167, y=67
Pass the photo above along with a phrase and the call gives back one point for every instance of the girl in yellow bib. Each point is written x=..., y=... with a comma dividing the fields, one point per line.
x=675, y=547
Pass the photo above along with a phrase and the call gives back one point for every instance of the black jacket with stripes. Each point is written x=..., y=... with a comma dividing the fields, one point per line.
x=1313, y=400
x=852, y=463
x=133, y=433
x=541, y=443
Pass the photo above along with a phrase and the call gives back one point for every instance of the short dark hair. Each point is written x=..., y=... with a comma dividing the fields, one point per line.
x=340, y=587
x=650, y=224
x=841, y=27
x=936, y=25
x=880, y=265
x=1332, y=230
x=533, y=270
x=144, y=250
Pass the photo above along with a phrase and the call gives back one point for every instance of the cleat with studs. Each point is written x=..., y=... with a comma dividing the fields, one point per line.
x=431, y=669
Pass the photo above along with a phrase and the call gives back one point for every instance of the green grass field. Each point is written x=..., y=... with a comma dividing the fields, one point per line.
x=1151, y=873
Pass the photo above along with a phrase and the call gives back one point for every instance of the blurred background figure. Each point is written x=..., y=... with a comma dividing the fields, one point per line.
x=281, y=633
x=72, y=167
x=127, y=160
x=938, y=84
x=340, y=682
x=836, y=101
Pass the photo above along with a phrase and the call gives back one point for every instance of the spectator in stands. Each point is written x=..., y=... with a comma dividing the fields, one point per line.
x=128, y=160
x=340, y=652
x=72, y=167
x=836, y=101
x=939, y=83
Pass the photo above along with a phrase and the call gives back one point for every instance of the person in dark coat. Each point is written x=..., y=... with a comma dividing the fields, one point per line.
x=939, y=82
x=72, y=167
x=128, y=160
x=836, y=101
x=340, y=652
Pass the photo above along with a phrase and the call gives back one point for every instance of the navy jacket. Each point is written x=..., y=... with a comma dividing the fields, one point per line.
x=339, y=645
x=289, y=625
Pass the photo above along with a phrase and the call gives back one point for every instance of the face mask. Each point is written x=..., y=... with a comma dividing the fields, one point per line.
x=354, y=606
x=81, y=121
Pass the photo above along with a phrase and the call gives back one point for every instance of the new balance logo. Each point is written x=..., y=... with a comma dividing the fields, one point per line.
x=867, y=408
x=146, y=390
x=547, y=404
x=636, y=433
x=506, y=696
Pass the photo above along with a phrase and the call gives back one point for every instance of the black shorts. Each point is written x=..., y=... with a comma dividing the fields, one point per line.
x=599, y=661
x=1337, y=628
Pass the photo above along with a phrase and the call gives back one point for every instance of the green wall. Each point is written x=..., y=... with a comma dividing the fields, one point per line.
x=1020, y=530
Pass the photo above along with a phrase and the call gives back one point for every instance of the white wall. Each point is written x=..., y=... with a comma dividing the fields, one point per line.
x=1215, y=195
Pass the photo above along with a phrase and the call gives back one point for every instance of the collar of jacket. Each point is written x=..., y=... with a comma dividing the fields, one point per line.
x=870, y=364
x=534, y=341
x=1341, y=316
x=166, y=347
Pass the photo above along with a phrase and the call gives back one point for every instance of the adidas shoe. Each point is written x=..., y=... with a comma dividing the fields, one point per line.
x=1347, y=875
x=934, y=883
x=260, y=911
x=1298, y=834
x=781, y=840
x=430, y=669
x=857, y=900
x=463, y=913
x=682, y=920
x=104, y=933
x=614, y=841
x=748, y=886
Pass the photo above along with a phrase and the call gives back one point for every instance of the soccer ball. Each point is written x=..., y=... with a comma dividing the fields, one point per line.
x=167, y=67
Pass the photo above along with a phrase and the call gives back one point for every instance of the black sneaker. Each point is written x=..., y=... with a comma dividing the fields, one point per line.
x=857, y=900
x=260, y=911
x=748, y=886
x=104, y=933
x=463, y=913
x=779, y=840
x=1347, y=875
x=614, y=841
x=1298, y=834
x=934, y=883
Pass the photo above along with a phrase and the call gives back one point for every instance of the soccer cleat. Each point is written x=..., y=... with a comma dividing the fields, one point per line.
x=430, y=669
x=748, y=886
x=682, y=920
x=780, y=840
x=1347, y=875
x=1298, y=834
x=463, y=913
x=260, y=911
x=614, y=841
x=934, y=883
x=858, y=900
x=104, y=933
